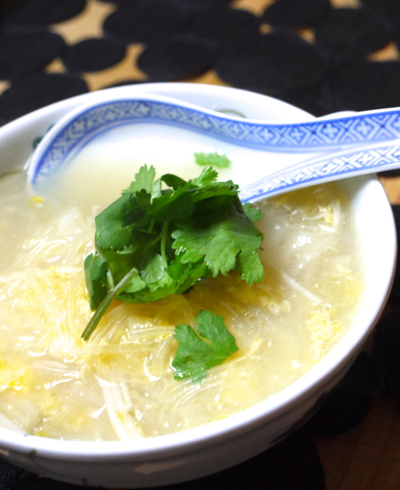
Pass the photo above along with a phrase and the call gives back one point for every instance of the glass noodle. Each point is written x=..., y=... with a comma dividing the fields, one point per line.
x=119, y=384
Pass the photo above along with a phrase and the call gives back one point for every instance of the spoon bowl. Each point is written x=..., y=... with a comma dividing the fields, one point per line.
x=294, y=155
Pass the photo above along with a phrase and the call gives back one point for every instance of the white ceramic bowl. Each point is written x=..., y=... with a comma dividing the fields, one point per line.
x=207, y=449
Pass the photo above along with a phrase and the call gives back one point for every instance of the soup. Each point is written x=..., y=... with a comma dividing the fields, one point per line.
x=120, y=383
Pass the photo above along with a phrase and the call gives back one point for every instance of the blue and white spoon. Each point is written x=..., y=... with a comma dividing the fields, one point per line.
x=321, y=150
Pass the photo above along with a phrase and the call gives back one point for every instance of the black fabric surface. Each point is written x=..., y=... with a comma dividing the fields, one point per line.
x=137, y=21
x=175, y=59
x=16, y=60
x=327, y=70
x=386, y=349
x=43, y=12
x=352, y=33
x=292, y=13
x=266, y=53
x=270, y=63
x=221, y=27
x=364, y=84
x=33, y=93
x=93, y=55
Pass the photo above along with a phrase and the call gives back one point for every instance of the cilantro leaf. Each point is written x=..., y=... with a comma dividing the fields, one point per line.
x=207, y=176
x=145, y=182
x=173, y=205
x=200, y=349
x=114, y=224
x=212, y=159
x=155, y=241
x=96, y=273
x=220, y=239
x=253, y=213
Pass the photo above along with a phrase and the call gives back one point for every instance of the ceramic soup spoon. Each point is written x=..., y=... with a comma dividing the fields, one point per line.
x=274, y=157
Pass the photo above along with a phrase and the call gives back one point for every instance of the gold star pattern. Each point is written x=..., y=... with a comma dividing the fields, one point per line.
x=122, y=71
x=86, y=25
x=388, y=53
x=256, y=7
x=4, y=84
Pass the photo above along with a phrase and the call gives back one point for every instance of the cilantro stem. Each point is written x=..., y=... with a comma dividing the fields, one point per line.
x=99, y=313
x=164, y=236
x=110, y=279
x=151, y=226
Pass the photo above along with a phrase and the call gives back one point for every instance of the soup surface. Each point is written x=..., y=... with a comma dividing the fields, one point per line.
x=120, y=384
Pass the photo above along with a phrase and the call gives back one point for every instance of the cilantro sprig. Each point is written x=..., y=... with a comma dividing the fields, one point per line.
x=163, y=235
x=219, y=160
x=202, y=348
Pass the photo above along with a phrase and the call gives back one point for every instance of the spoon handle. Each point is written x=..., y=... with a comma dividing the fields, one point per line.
x=327, y=168
x=332, y=133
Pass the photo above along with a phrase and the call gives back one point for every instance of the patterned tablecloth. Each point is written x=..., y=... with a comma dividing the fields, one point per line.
x=323, y=56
